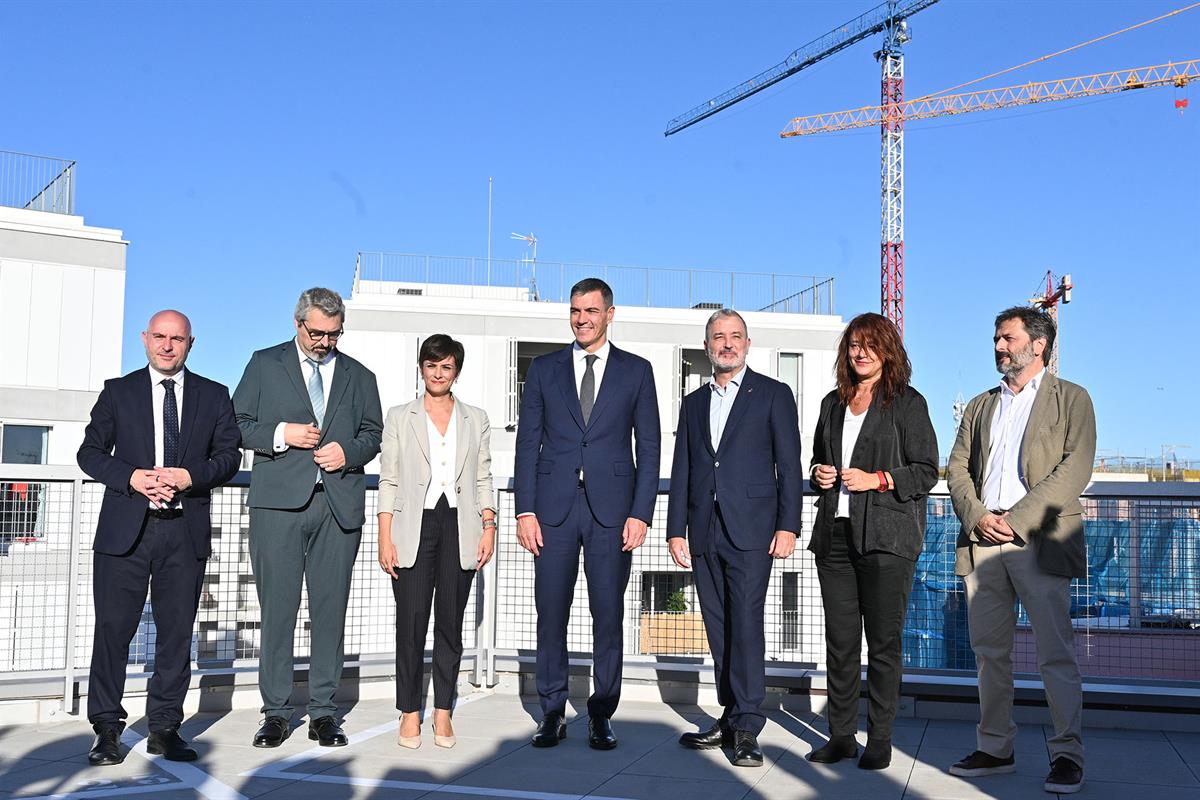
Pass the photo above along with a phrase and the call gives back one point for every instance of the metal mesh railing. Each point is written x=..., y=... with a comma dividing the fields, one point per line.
x=1136, y=614
x=551, y=281
x=37, y=183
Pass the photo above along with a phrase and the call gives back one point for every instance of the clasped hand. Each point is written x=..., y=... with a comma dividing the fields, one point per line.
x=160, y=485
x=994, y=528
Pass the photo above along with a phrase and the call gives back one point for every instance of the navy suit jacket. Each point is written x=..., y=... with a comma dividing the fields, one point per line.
x=553, y=444
x=120, y=439
x=755, y=473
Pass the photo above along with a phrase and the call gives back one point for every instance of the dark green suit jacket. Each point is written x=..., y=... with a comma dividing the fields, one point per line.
x=273, y=390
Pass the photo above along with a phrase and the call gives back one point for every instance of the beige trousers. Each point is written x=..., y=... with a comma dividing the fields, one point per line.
x=1003, y=574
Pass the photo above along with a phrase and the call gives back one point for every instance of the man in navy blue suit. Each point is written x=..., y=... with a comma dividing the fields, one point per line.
x=736, y=491
x=578, y=485
x=160, y=439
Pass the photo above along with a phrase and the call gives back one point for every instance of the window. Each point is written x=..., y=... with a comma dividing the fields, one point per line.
x=520, y=356
x=658, y=587
x=790, y=374
x=23, y=444
x=790, y=638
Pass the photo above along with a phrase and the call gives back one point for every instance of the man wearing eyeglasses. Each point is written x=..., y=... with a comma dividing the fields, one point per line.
x=311, y=414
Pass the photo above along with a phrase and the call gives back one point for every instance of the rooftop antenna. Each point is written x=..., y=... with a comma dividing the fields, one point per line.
x=531, y=240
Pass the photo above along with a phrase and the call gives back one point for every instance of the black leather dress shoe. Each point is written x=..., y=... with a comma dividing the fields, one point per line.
x=170, y=745
x=326, y=732
x=600, y=734
x=716, y=736
x=746, y=752
x=833, y=751
x=550, y=731
x=877, y=755
x=106, y=750
x=273, y=732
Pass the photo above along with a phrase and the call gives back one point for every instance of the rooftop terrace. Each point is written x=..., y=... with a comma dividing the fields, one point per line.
x=551, y=281
x=37, y=183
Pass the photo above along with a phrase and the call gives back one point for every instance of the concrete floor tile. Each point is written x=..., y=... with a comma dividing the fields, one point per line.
x=61, y=777
x=544, y=779
x=1030, y=740
x=642, y=787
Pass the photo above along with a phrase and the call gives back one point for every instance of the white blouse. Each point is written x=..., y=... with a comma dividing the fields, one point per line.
x=442, y=456
x=851, y=428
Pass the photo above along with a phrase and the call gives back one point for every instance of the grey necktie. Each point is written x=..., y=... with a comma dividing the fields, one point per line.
x=587, y=388
x=316, y=392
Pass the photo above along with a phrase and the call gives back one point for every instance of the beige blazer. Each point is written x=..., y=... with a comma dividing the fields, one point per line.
x=404, y=475
x=1057, y=453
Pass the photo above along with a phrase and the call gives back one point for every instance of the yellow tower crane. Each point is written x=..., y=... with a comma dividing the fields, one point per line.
x=1177, y=74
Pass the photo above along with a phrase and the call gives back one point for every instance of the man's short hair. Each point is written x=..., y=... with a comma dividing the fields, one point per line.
x=440, y=346
x=327, y=301
x=1038, y=324
x=721, y=313
x=588, y=285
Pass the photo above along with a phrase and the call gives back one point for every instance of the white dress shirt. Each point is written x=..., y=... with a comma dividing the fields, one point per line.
x=720, y=403
x=158, y=394
x=442, y=457
x=326, y=369
x=1003, y=483
x=851, y=427
x=579, y=355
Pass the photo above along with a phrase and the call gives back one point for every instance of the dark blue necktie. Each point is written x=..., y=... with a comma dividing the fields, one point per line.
x=170, y=425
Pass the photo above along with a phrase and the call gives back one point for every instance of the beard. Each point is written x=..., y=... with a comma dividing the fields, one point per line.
x=721, y=361
x=1017, y=361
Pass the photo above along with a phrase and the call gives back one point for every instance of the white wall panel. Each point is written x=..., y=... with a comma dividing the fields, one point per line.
x=16, y=278
x=75, y=340
x=108, y=314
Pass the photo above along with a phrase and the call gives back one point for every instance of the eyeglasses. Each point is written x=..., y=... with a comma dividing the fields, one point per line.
x=317, y=336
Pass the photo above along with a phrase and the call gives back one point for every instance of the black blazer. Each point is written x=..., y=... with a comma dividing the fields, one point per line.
x=754, y=473
x=120, y=439
x=898, y=439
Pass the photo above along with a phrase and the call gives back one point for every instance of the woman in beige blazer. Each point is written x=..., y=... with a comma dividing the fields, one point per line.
x=437, y=526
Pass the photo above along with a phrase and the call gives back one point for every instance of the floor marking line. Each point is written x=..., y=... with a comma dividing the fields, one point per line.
x=192, y=776
x=280, y=768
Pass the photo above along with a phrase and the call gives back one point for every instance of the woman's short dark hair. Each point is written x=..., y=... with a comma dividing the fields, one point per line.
x=440, y=346
x=878, y=333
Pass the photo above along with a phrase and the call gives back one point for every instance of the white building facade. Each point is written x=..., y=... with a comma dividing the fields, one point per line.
x=62, y=284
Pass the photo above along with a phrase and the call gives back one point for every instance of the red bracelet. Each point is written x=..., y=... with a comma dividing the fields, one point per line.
x=883, y=486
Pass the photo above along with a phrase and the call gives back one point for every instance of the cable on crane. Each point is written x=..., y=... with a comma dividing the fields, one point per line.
x=1061, y=52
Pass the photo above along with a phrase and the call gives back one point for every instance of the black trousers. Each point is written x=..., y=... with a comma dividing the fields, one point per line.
x=437, y=568
x=163, y=561
x=732, y=586
x=863, y=590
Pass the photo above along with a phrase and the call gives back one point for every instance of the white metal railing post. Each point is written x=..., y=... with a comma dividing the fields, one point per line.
x=68, y=703
x=491, y=593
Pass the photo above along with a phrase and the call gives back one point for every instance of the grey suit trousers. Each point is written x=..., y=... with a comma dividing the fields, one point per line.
x=288, y=548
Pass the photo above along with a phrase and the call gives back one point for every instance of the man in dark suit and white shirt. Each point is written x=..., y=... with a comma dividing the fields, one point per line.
x=312, y=416
x=736, y=491
x=160, y=440
x=578, y=485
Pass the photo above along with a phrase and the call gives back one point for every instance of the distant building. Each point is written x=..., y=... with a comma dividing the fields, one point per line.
x=507, y=313
x=63, y=289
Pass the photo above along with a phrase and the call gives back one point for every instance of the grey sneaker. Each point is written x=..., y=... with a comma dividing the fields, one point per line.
x=980, y=763
x=1066, y=777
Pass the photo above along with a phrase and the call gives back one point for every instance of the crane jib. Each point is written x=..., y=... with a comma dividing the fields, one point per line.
x=873, y=21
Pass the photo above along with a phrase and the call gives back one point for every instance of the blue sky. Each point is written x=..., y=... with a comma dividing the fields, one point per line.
x=250, y=150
